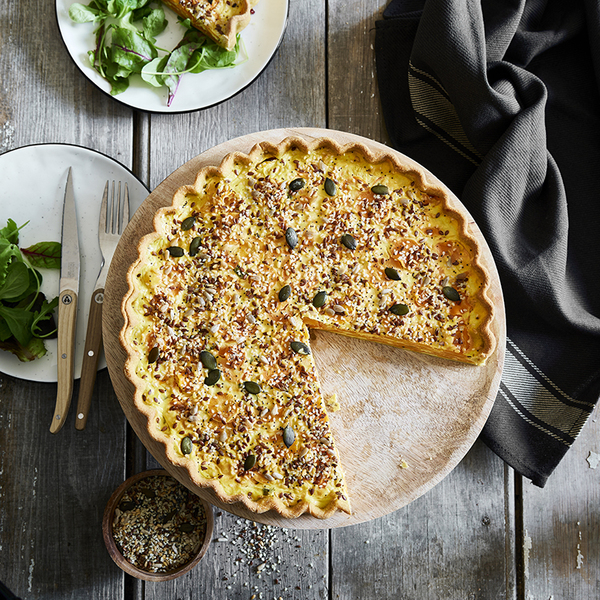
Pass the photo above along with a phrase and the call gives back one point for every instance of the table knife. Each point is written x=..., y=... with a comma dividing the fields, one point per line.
x=67, y=307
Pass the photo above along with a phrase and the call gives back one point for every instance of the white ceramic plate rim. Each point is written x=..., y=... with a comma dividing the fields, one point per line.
x=42, y=207
x=260, y=39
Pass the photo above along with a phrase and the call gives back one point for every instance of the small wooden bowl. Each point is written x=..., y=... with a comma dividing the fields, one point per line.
x=115, y=553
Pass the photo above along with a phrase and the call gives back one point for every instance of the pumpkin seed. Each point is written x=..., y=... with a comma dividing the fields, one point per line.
x=186, y=528
x=252, y=387
x=188, y=223
x=319, y=299
x=399, y=309
x=213, y=376
x=127, y=505
x=194, y=246
x=451, y=293
x=186, y=445
x=380, y=189
x=284, y=293
x=208, y=360
x=175, y=251
x=330, y=187
x=291, y=237
x=297, y=184
x=169, y=516
x=300, y=348
x=153, y=355
x=348, y=241
x=288, y=436
x=148, y=492
x=392, y=274
x=249, y=462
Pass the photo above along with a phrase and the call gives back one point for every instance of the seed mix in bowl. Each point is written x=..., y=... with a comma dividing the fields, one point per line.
x=159, y=525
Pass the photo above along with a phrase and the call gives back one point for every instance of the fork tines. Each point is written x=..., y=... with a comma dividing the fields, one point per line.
x=118, y=212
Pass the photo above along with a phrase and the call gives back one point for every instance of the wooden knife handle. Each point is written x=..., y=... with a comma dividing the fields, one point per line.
x=67, y=317
x=91, y=353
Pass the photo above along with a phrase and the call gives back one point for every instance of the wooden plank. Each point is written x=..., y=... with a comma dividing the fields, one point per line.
x=53, y=488
x=53, y=491
x=45, y=98
x=456, y=541
x=353, y=97
x=561, y=528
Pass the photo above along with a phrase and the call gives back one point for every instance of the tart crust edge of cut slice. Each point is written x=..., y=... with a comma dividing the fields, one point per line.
x=235, y=25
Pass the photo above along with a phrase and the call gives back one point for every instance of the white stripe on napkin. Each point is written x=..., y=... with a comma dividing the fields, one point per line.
x=539, y=396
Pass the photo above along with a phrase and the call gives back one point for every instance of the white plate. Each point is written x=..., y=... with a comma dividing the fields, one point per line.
x=260, y=39
x=33, y=180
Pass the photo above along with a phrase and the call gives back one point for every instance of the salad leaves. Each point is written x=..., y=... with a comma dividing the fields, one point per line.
x=126, y=45
x=26, y=317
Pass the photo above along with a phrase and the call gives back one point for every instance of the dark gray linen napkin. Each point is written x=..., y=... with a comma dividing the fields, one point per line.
x=500, y=100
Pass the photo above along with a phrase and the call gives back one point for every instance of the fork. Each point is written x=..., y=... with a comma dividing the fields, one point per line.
x=113, y=219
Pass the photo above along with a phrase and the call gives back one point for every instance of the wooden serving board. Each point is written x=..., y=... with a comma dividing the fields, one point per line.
x=405, y=419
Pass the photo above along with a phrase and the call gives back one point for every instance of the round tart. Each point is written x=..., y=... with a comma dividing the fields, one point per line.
x=244, y=262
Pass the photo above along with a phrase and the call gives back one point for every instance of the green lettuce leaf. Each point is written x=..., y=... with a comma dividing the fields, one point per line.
x=43, y=254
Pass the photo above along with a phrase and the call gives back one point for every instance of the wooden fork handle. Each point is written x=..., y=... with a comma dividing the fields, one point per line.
x=91, y=353
x=67, y=317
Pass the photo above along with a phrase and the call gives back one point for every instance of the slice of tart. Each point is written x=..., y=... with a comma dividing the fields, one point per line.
x=220, y=20
x=290, y=237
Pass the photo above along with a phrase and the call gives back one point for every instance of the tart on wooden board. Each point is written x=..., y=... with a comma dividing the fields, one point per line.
x=296, y=235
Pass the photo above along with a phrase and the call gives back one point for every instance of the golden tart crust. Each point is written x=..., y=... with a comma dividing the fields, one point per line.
x=291, y=236
x=220, y=20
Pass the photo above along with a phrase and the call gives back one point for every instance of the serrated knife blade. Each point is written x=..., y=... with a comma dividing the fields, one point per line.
x=67, y=306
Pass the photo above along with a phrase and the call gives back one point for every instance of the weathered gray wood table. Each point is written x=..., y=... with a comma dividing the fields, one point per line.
x=481, y=533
